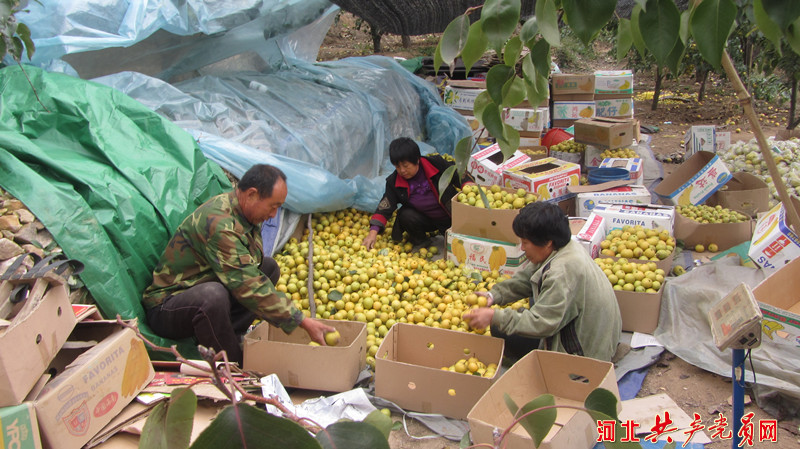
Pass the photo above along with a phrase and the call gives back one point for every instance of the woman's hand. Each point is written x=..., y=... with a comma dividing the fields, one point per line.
x=370, y=239
x=479, y=318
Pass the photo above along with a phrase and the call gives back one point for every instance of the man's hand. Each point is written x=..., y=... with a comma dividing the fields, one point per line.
x=369, y=240
x=316, y=329
x=479, y=318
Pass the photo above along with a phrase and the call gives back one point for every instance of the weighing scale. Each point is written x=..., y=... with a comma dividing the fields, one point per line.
x=736, y=324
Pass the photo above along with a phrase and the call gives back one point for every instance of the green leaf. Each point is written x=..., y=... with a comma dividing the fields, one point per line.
x=767, y=25
x=259, y=429
x=481, y=101
x=675, y=57
x=528, y=31
x=335, y=295
x=672, y=445
x=683, y=33
x=643, y=4
x=624, y=39
x=437, y=58
x=461, y=154
x=513, y=92
x=492, y=120
x=660, y=27
x=512, y=406
x=636, y=33
x=454, y=38
x=465, y=441
x=536, y=83
x=586, y=18
x=351, y=435
x=710, y=24
x=540, y=56
x=2, y=49
x=16, y=48
x=793, y=36
x=153, y=433
x=444, y=181
x=511, y=51
x=475, y=47
x=496, y=78
x=510, y=141
x=602, y=400
x=782, y=12
x=499, y=19
x=547, y=20
x=485, y=200
x=25, y=34
x=538, y=424
x=397, y=425
x=381, y=422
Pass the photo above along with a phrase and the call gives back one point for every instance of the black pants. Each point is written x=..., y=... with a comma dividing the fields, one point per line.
x=416, y=224
x=208, y=313
x=516, y=346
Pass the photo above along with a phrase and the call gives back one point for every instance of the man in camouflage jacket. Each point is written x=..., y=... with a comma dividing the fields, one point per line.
x=213, y=280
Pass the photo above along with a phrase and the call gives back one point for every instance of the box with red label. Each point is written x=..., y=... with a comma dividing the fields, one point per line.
x=487, y=165
x=635, y=167
x=774, y=244
x=651, y=216
x=101, y=368
x=633, y=194
x=613, y=107
x=548, y=177
x=591, y=234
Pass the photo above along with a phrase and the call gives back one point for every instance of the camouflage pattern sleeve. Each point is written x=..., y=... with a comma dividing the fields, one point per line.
x=235, y=255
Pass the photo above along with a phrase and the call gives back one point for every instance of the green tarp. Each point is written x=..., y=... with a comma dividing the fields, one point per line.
x=110, y=179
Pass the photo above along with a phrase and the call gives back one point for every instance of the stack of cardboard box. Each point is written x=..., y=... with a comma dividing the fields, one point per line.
x=573, y=98
x=613, y=93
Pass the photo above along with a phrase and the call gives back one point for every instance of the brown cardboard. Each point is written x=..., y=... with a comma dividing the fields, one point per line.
x=494, y=224
x=725, y=235
x=563, y=84
x=18, y=427
x=605, y=132
x=573, y=97
x=476, y=253
x=778, y=298
x=744, y=192
x=563, y=123
x=101, y=369
x=694, y=181
x=569, y=378
x=267, y=350
x=27, y=347
x=408, y=369
x=640, y=311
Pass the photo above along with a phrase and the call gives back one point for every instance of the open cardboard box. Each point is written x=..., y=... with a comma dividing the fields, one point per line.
x=640, y=311
x=569, y=378
x=408, y=369
x=44, y=320
x=493, y=224
x=571, y=84
x=650, y=216
x=778, y=298
x=694, y=181
x=744, y=192
x=101, y=368
x=774, y=244
x=587, y=199
x=548, y=178
x=267, y=350
x=487, y=165
x=725, y=235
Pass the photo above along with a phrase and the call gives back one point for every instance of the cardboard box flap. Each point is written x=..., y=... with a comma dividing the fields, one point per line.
x=600, y=187
x=467, y=84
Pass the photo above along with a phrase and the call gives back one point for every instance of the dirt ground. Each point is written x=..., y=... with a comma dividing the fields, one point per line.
x=693, y=389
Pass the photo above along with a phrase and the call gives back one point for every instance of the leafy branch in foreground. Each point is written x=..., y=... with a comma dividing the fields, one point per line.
x=241, y=425
x=15, y=37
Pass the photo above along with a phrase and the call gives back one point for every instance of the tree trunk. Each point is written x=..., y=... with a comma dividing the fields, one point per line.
x=406, y=41
x=376, y=39
x=657, y=89
x=701, y=94
x=792, y=106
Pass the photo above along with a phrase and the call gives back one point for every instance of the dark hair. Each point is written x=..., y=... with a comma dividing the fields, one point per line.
x=263, y=177
x=542, y=222
x=404, y=149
